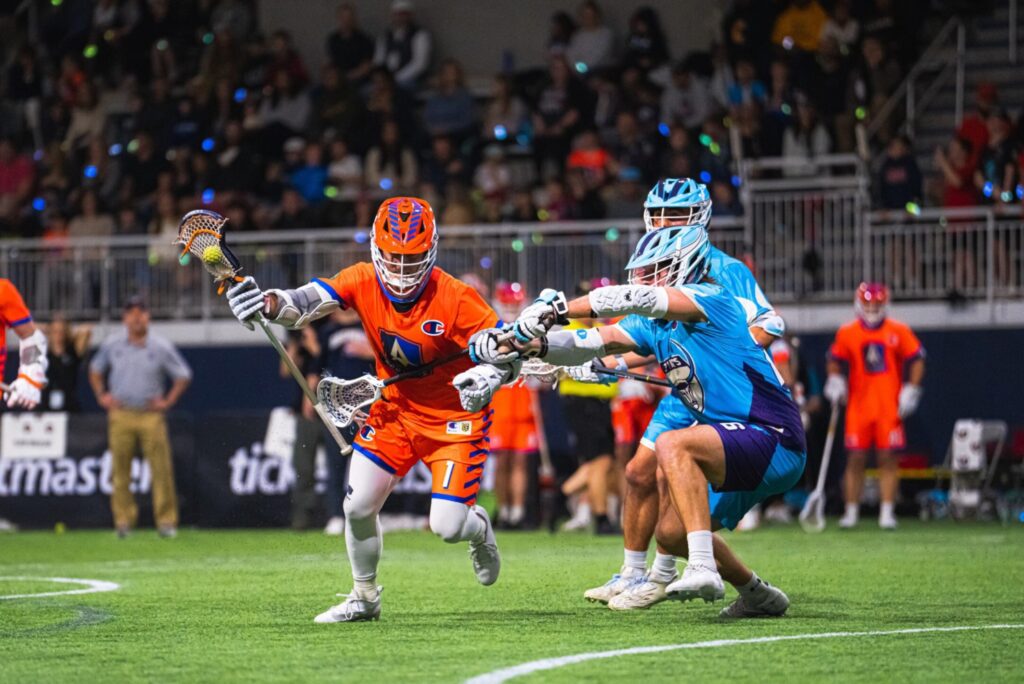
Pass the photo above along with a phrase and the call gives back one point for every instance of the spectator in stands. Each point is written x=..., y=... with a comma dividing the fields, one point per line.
x=974, y=126
x=17, y=176
x=556, y=115
x=101, y=172
x=842, y=27
x=587, y=203
x=799, y=26
x=746, y=88
x=89, y=221
x=345, y=168
x=88, y=119
x=725, y=203
x=958, y=190
x=391, y=165
x=831, y=87
x=66, y=347
x=337, y=108
x=284, y=112
x=560, y=32
x=590, y=159
x=128, y=222
x=646, y=47
x=233, y=17
x=284, y=58
x=349, y=48
x=386, y=101
x=223, y=59
x=293, y=212
x=235, y=166
x=874, y=80
x=521, y=209
x=996, y=175
x=443, y=165
x=449, y=110
x=142, y=169
x=744, y=30
x=686, y=99
x=631, y=147
x=899, y=178
x=311, y=178
x=805, y=139
x=458, y=208
x=493, y=178
x=556, y=204
x=592, y=44
x=24, y=88
x=505, y=113
x=129, y=375
x=404, y=49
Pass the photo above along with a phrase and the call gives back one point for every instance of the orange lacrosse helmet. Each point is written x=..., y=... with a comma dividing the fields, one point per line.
x=872, y=303
x=403, y=247
x=508, y=300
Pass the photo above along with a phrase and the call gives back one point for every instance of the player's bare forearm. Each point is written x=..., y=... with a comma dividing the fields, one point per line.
x=915, y=376
x=631, y=359
x=833, y=367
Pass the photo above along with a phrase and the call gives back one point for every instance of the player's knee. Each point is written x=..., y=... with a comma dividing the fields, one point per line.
x=642, y=472
x=447, y=521
x=672, y=448
x=357, y=509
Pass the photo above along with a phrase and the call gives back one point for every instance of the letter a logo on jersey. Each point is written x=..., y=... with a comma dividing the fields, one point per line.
x=400, y=353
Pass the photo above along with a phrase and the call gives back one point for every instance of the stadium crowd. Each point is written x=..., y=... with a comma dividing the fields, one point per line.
x=123, y=114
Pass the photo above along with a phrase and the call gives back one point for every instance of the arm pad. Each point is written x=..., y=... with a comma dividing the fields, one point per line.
x=622, y=300
x=573, y=347
x=297, y=308
x=771, y=323
x=32, y=350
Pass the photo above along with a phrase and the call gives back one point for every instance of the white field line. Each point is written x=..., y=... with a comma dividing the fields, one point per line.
x=505, y=674
x=91, y=587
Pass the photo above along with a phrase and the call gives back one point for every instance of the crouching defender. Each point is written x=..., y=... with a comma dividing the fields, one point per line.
x=413, y=313
x=748, y=441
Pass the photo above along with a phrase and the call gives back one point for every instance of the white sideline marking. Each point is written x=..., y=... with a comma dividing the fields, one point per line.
x=91, y=586
x=505, y=674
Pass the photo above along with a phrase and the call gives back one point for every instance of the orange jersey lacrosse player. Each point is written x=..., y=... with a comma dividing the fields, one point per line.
x=413, y=313
x=26, y=389
x=878, y=352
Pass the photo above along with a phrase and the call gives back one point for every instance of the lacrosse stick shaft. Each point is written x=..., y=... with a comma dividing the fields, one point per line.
x=423, y=370
x=826, y=453
x=301, y=379
x=651, y=379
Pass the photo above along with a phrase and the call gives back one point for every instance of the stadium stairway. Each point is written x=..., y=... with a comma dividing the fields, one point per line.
x=987, y=59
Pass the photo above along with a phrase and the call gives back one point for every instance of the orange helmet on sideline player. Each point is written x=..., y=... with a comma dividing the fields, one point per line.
x=403, y=247
x=508, y=300
x=872, y=303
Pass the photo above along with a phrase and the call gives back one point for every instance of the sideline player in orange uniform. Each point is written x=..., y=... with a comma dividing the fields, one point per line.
x=514, y=436
x=413, y=313
x=26, y=389
x=877, y=350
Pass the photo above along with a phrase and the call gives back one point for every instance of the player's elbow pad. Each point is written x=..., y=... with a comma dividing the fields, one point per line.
x=32, y=351
x=623, y=300
x=772, y=324
x=299, y=307
x=573, y=347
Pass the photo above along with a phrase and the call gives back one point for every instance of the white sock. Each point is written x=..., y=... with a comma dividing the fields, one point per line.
x=582, y=511
x=852, y=511
x=888, y=510
x=474, y=529
x=754, y=587
x=635, y=560
x=363, y=542
x=505, y=512
x=516, y=515
x=664, y=568
x=701, y=549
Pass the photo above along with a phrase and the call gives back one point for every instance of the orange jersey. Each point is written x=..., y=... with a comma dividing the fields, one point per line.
x=13, y=313
x=876, y=357
x=513, y=404
x=439, y=323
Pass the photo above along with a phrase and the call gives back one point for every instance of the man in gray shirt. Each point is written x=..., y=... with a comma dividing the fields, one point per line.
x=129, y=376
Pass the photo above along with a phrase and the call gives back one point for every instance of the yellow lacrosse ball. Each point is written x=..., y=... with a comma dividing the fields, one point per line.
x=213, y=255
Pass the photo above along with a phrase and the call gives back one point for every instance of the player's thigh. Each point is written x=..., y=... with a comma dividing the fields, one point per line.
x=455, y=471
x=385, y=441
x=860, y=430
x=367, y=488
x=700, y=444
x=889, y=434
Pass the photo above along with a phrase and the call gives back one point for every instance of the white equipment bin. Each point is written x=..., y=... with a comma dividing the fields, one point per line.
x=970, y=467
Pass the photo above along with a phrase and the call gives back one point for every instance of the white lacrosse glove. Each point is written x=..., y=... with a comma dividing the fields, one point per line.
x=910, y=397
x=585, y=373
x=246, y=300
x=26, y=391
x=835, y=389
x=483, y=347
x=537, y=319
x=478, y=384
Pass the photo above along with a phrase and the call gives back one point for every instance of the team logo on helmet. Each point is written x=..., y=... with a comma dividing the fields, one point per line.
x=681, y=371
x=433, y=328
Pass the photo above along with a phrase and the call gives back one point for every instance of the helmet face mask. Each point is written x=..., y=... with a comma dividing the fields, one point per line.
x=509, y=300
x=872, y=303
x=674, y=202
x=404, y=247
x=671, y=257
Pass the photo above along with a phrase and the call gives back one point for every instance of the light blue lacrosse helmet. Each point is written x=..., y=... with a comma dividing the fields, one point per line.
x=677, y=202
x=670, y=257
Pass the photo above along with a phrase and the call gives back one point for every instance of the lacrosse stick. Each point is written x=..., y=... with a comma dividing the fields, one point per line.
x=201, y=233
x=549, y=374
x=344, y=399
x=812, y=517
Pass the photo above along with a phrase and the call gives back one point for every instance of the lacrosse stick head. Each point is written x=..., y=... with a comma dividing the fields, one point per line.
x=345, y=400
x=544, y=373
x=201, y=234
x=812, y=517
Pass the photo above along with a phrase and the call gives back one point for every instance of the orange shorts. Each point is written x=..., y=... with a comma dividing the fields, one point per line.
x=514, y=435
x=866, y=431
x=455, y=451
x=630, y=418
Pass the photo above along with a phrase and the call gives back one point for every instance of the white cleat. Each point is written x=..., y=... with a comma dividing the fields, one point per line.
x=355, y=608
x=620, y=582
x=848, y=522
x=887, y=522
x=769, y=602
x=750, y=521
x=335, y=526
x=485, y=555
x=698, y=581
x=576, y=524
x=642, y=595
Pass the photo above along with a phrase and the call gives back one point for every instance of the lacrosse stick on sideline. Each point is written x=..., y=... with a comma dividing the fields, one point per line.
x=344, y=400
x=812, y=517
x=201, y=234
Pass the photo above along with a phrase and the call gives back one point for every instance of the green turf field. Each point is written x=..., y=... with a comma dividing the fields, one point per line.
x=216, y=606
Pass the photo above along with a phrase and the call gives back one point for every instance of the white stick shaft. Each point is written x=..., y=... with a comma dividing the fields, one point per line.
x=826, y=453
x=306, y=390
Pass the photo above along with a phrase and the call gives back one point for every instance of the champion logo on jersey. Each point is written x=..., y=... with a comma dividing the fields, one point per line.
x=459, y=427
x=367, y=433
x=400, y=353
x=433, y=328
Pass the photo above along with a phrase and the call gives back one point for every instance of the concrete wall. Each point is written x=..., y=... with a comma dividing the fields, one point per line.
x=477, y=32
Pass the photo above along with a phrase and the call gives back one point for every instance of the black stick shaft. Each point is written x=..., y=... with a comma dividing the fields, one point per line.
x=650, y=379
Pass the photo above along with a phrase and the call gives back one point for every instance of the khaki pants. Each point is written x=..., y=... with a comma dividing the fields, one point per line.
x=127, y=429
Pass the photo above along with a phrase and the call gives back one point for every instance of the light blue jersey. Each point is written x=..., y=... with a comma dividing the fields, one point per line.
x=734, y=276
